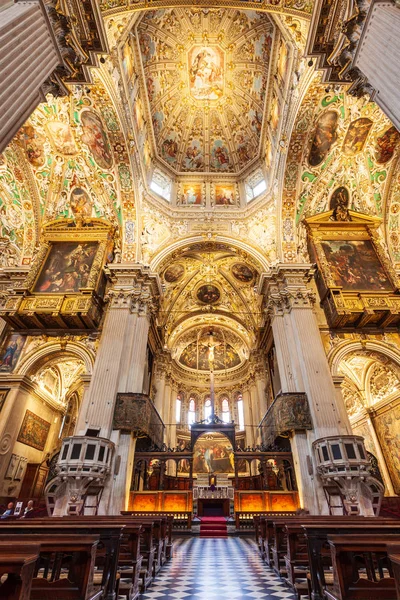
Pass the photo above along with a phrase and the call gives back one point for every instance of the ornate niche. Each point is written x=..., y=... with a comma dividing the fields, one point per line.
x=356, y=282
x=65, y=287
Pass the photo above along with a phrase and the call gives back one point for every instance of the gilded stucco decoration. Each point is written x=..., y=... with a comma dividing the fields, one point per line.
x=339, y=145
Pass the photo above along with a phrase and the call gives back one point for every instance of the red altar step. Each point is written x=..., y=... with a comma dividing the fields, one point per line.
x=213, y=527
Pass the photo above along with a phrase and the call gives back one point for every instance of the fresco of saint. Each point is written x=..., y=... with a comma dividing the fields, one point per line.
x=324, y=137
x=386, y=145
x=10, y=352
x=225, y=195
x=62, y=137
x=356, y=136
x=206, y=73
x=95, y=137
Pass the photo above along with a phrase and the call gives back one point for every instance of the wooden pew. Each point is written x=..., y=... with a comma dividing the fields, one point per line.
x=318, y=531
x=110, y=535
x=296, y=559
x=361, y=567
x=394, y=556
x=65, y=568
x=18, y=563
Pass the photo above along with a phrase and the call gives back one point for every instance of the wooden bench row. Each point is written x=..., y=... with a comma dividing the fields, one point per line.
x=82, y=558
x=332, y=558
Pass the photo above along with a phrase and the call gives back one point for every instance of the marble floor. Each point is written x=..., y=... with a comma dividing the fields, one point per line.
x=220, y=569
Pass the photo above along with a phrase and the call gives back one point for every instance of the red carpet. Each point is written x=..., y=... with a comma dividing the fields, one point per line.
x=213, y=527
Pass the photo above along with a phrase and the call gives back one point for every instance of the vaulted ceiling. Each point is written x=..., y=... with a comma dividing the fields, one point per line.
x=206, y=74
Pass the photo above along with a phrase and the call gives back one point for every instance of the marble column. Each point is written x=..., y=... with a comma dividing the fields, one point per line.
x=119, y=368
x=248, y=416
x=303, y=367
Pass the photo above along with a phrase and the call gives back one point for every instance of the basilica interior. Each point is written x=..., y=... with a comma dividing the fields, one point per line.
x=200, y=281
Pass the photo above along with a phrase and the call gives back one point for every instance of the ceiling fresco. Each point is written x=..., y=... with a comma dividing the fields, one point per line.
x=209, y=287
x=206, y=75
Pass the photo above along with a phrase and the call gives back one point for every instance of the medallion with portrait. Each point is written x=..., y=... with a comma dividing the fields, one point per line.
x=208, y=294
x=81, y=204
x=242, y=272
x=324, y=137
x=174, y=273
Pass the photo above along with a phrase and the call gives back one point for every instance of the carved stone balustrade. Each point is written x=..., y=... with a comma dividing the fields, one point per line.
x=136, y=413
x=288, y=412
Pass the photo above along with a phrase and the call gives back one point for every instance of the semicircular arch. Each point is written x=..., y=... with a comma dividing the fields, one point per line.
x=36, y=357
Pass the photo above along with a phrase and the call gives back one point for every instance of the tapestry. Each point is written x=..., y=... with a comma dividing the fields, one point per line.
x=34, y=431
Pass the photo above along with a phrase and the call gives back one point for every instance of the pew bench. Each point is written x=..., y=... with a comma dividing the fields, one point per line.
x=17, y=565
x=65, y=567
x=394, y=556
x=361, y=567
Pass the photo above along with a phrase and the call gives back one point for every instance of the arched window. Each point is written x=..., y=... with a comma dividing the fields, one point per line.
x=191, y=412
x=240, y=410
x=207, y=409
x=226, y=416
x=178, y=409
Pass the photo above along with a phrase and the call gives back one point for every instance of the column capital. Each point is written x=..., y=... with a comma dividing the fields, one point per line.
x=133, y=287
x=286, y=287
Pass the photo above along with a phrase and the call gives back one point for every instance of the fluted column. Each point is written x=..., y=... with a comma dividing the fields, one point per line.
x=248, y=416
x=303, y=367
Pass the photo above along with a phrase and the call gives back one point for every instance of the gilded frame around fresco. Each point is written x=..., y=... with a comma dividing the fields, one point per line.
x=80, y=308
x=361, y=305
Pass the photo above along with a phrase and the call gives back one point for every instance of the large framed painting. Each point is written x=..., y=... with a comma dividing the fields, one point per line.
x=357, y=284
x=10, y=353
x=213, y=453
x=34, y=431
x=66, y=268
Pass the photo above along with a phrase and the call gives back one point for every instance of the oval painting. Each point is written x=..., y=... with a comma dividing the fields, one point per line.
x=33, y=143
x=356, y=136
x=208, y=294
x=242, y=272
x=95, y=137
x=386, y=145
x=81, y=203
x=174, y=273
x=324, y=137
x=340, y=197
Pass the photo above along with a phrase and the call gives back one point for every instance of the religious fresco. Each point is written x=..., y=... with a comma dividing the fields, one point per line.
x=355, y=265
x=67, y=267
x=95, y=137
x=356, y=136
x=226, y=138
x=81, y=203
x=32, y=142
x=128, y=59
x=225, y=194
x=206, y=72
x=62, y=138
x=387, y=426
x=34, y=431
x=212, y=454
x=174, y=273
x=196, y=356
x=191, y=194
x=208, y=294
x=10, y=352
x=386, y=144
x=324, y=136
x=242, y=272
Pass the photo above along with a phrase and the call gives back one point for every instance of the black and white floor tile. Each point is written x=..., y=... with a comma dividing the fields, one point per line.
x=216, y=569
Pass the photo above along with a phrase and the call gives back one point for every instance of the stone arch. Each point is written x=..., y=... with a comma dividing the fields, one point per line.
x=36, y=357
x=339, y=353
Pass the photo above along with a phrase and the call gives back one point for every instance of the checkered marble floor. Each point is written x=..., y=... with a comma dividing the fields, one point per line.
x=216, y=569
